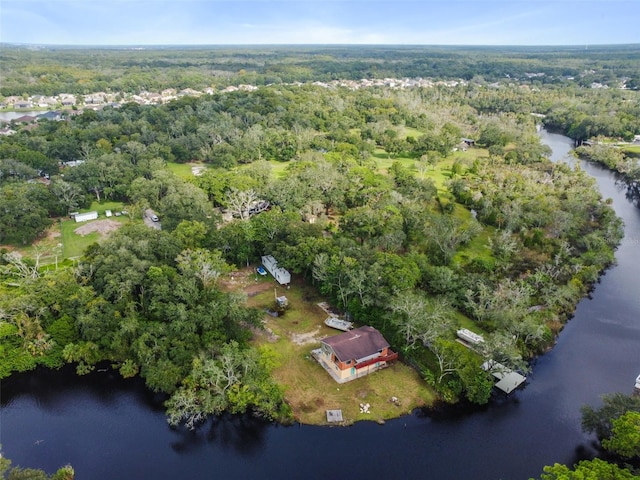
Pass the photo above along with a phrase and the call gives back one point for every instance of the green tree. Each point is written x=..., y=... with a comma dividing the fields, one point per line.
x=22, y=216
x=595, y=469
x=600, y=420
x=625, y=436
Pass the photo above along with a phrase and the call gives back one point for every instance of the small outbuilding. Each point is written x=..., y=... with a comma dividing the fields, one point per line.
x=84, y=217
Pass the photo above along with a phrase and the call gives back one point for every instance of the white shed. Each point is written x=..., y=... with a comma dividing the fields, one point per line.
x=83, y=217
x=280, y=274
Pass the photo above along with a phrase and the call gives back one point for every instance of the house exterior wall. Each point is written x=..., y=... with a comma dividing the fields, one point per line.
x=348, y=369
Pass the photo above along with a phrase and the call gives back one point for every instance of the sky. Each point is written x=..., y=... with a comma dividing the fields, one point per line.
x=239, y=22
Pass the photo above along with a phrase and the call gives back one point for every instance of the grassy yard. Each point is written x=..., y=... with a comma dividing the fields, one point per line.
x=101, y=207
x=74, y=244
x=309, y=389
x=61, y=241
x=278, y=168
x=632, y=150
x=184, y=170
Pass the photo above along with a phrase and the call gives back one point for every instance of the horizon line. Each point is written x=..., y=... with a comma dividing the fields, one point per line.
x=164, y=45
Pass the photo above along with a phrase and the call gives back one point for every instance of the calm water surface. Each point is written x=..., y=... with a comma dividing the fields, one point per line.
x=8, y=116
x=109, y=428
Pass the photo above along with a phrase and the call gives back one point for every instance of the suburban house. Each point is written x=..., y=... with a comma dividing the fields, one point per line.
x=68, y=100
x=355, y=353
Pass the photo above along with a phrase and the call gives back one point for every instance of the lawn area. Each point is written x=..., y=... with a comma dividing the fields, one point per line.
x=309, y=389
x=101, y=207
x=48, y=247
x=632, y=150
x=184, y=170
x=61, y=241
x=278, y=168
x=410, y=132
x=383, y=162
x=74, y=244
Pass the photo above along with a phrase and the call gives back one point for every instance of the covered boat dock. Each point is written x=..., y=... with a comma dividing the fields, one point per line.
x=508, y=380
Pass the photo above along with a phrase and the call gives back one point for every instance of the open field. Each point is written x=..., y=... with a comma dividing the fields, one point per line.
x=278, y=169
x=76, y=241
x=309, y=389
x=632, y=150
x=101, y=207
x=186, y=170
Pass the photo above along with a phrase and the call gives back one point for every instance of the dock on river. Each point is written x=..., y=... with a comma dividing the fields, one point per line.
x=508, y=380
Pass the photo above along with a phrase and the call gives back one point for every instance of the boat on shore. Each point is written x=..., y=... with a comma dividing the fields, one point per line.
x=338, y=324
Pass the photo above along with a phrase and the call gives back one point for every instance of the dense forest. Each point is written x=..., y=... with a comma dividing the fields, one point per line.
x=415, y=210
x=52, y=70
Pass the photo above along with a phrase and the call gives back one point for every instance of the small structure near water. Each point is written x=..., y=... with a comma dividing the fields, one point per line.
x=334, y=416
x=636, y=388
x=508, y=380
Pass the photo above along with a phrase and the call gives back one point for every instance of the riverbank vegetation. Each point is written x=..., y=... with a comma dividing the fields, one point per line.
x=416, y=211
x=616, y=425
x=9, y=472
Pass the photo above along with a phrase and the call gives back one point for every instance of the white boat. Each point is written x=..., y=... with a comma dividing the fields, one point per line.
x=469, y=336
x=335, y=322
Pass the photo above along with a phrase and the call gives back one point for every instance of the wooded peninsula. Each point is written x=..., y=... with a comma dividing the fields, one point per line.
x=404, y=186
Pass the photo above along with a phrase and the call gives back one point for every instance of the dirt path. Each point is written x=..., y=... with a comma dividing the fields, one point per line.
x=304, y=338
x=245, y=280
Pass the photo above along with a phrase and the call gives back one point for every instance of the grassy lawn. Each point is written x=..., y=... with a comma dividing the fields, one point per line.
x=410, y=132
x=183, y=170
x=48, y=247
x=383, y=162
x=100, y=207
x=309, y=389
x=633, y=150
x=278, y=169
x=74, y=244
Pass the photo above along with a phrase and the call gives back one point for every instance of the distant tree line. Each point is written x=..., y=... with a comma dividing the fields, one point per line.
x=53, y=70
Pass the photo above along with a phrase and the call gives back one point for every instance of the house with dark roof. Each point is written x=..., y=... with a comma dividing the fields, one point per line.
x=25, y=119
x=54, y=116
x=355, y=353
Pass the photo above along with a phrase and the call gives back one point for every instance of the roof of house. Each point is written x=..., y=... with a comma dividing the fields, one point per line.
x=25, y=119
x=357, y=343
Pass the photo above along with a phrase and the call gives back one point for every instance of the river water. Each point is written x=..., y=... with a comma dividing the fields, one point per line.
x=8, y=116
x=111, y=428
